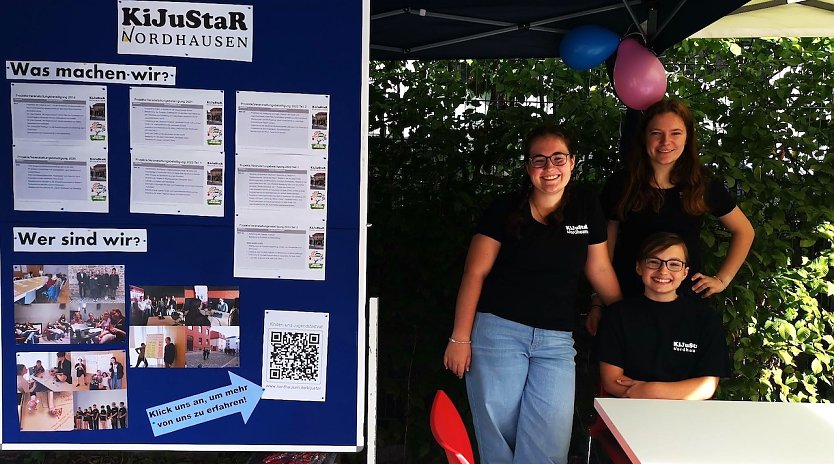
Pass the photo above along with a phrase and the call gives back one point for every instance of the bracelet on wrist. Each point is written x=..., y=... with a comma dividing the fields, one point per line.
x=597, y=306
x=464, y=342
x=720, y=280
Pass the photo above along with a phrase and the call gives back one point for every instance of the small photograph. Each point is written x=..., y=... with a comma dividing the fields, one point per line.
x=44, y=391
x=100, y=370
x=97, y=323
x=157, y=346
x=320, y=120
x=41, y=283
x=97, y=112
x=98, y=172
x=202, y=305
x=207, y=347
x=96, y=282
x=318, y=181
x=214, y=176
x=214, y=116
x=46, y=323
x=317, y=241
x=100, y=410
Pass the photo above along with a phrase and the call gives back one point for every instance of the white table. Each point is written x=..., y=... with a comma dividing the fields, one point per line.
x=26, y=289
x=667, y=431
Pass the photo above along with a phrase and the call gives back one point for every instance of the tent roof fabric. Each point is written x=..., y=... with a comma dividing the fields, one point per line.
x=775, y=18
x=444, y=29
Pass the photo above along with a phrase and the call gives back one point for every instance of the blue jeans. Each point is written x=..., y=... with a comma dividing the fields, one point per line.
x=521, y=388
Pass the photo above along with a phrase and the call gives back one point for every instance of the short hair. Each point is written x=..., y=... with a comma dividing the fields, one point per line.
x=661, y=241
x=21, y=367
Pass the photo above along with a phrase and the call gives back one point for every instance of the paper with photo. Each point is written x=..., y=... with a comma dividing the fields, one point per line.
x=177, y=182
x=295, y=355
x=49, y=178
x=272, y=247
x=189, y=119
x=296, y=185
x=60, y=115
x=290, y=123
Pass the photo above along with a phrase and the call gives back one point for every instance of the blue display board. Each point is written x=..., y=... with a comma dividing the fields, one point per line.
x=302, y=48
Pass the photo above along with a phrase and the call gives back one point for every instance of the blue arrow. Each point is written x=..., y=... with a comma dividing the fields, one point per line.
x=241, y=396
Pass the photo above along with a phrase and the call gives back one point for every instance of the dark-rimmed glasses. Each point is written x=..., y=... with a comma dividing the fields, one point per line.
x=674, y=265
x=557, y=159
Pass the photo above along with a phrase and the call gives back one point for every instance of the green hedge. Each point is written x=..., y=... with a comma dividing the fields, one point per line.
x=446, y=139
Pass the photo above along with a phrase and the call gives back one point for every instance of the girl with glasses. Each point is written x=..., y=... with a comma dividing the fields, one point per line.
x=665, y=188
x=660, y=345
x=512, y=336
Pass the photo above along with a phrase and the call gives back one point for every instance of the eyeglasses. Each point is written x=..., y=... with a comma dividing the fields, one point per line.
x=540, y=161
x=674, y=265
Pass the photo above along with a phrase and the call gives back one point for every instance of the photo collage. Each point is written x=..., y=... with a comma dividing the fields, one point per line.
x=175, y=326
x=79, y=381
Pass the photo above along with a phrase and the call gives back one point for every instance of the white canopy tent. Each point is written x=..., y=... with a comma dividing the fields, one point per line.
x=775, y=18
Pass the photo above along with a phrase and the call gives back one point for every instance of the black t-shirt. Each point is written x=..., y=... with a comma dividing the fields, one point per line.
x=663, y=342
x=672, y=217
x=66, y=368
x=535, y=275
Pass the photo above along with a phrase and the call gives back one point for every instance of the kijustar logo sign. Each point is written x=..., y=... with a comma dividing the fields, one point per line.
x=191, y=30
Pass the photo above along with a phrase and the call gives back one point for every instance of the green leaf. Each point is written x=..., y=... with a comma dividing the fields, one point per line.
x=785, y=357
x=787, y=331
x=816, y=366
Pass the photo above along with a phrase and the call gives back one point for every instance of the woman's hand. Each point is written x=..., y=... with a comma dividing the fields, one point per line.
x=707, y=286
x=457, y=358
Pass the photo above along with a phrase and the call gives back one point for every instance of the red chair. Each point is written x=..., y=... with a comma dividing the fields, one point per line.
x=449, y=431
x=599, y=431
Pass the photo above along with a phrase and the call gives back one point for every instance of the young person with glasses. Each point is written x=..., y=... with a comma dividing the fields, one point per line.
x=515, y=313
x=661, y=345
x=665, y=188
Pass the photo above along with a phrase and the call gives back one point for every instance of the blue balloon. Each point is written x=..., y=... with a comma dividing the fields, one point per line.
x=585, y=47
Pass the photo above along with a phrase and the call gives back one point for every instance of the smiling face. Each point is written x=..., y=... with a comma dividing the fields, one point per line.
x=549, y=179
x=661, y=284
x=665, y=139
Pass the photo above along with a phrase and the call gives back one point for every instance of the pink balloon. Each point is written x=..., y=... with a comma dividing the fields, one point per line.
x=639, y=77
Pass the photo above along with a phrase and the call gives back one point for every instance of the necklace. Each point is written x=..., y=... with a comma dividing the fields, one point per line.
x=536, y=208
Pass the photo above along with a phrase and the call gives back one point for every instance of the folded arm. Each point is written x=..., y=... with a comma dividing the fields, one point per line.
x=616, y=383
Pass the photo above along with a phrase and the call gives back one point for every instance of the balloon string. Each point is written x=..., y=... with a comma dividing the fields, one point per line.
x=634, y=19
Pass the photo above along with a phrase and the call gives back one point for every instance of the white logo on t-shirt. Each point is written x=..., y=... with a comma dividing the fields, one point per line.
x=684, y=347
x=581, y=229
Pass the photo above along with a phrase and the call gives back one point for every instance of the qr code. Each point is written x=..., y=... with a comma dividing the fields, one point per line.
x=295, y=356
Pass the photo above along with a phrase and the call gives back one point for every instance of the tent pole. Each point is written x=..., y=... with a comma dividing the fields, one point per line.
x=668, y=18
x=634, y=18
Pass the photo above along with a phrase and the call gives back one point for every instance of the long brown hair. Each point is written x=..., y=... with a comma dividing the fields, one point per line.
x=557, y=216
x=687, y=173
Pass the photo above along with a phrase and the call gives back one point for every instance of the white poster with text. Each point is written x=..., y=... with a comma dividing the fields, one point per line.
x=295, y=185
x=60, y=115
x=187, y=119
x=91, y=72
x=53, y=179
x=272, y=247
x=185, y=29
x=295, y=355
x=181, y=182
x=62, y=240
x=291, y=123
